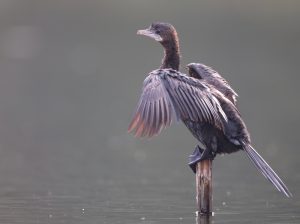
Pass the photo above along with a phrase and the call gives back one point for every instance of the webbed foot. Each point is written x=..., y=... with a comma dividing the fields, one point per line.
x=199, y=155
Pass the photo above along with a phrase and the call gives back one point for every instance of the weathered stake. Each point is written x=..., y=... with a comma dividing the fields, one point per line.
x=204, y=187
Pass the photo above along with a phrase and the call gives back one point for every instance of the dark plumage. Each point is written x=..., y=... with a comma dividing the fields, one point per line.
x=235, y=130
x=166, y=35
x=169, y=94
x=200, y=104
x=201, y=71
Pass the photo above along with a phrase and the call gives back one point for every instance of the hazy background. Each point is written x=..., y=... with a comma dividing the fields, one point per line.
x=70, y=76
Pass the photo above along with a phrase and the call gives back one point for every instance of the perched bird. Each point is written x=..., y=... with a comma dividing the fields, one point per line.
x=211, y=117
x=234, y=126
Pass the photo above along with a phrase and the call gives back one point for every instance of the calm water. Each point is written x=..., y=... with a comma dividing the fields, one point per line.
x=71, y=72
x=133, y=200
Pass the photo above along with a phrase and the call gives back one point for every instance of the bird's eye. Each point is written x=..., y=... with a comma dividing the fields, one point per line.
x=157, y=32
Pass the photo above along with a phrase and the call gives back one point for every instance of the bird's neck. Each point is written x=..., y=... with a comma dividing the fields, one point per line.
x=172, y=56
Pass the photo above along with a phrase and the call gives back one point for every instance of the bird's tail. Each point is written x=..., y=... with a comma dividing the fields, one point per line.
x=266, y=170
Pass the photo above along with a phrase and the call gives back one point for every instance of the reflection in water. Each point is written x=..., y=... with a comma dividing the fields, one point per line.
x=203, y=219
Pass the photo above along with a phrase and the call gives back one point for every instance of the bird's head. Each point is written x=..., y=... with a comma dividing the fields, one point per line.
x=163, y=33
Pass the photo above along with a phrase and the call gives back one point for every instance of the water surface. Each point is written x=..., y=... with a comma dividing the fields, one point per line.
x=71, y=72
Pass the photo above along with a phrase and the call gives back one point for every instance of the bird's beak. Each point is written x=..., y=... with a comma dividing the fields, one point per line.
x=150, y=33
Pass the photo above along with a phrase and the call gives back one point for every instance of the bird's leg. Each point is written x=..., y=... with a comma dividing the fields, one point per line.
x=200, y=155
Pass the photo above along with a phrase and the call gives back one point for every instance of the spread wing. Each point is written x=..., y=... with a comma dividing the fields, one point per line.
x=213, y=78
x=155, y=109
x=167, y=94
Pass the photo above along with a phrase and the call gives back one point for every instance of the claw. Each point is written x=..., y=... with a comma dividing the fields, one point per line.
x=199, y=155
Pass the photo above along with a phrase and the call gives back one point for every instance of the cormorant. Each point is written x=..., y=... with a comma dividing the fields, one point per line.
x=212, y=118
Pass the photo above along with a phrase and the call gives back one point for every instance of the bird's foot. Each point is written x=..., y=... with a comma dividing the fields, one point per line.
x=199, y=155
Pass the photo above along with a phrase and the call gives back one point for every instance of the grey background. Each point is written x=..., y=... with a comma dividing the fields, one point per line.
x=71, y=74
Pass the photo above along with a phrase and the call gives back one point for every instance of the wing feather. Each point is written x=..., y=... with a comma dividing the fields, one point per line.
x=190, y=102
x=185, y=104
x=194, y=99
x=154, y=111
x=213, y=78
x=168, y=94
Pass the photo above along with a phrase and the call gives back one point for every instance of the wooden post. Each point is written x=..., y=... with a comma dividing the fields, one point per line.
x=204, y=187
x=203, y=219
